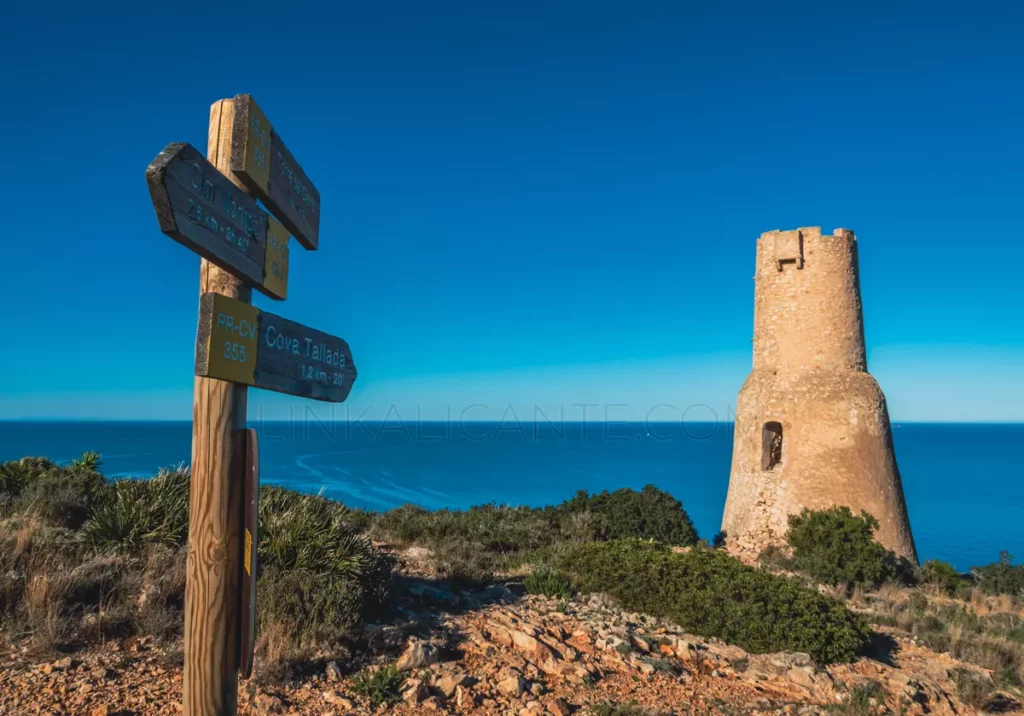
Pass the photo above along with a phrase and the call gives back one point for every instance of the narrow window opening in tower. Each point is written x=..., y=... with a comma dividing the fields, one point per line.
x=771, y=445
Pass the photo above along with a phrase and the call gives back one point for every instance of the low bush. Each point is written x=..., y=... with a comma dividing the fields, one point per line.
x=917, y=603
x=319, y=578
x=130, y=513
x=471, y=545
x=773, y=557
x=312, y=533
x=972, y=688
x=463, y=563
x=17, y=474
x=380, y=686
x=316, y=609
x=492, y=528
x=712, y=594
x=941, y=575
x=1002, y=577
x=837, y=547
x=627, y=514
x=548, y=582
x=60, y=495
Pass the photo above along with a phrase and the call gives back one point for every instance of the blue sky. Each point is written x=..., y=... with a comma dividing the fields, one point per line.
x=527, y=203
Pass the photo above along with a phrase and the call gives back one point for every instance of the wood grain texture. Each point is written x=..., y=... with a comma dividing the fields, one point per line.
x=210, y=677
x=260, y=159
x=202, y=209
x=249, y=445
x=281, y=355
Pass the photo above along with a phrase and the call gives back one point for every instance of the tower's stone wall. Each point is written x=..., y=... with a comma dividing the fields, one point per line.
x=812, y=428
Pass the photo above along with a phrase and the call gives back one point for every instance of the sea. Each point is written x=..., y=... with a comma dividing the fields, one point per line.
x=964, y=483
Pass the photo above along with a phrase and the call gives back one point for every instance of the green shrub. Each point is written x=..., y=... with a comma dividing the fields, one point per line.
x=584, y=526
x=941, y=575
x=1002, y=577
x=917, y=603
x=463, y=563
x=381, y=686
x=471, y=545
x=712, y=594
x=319, y=578
x=130, y=513
x=16, y=474
x=61, y=495
x=1008, y=677
x=313, y=608
x=89, y=461
x=405, y=525
x=310, y=532
x=836, y=547
x=492, y=528
x=774, y=557
x=626, y=514
x=548, y=582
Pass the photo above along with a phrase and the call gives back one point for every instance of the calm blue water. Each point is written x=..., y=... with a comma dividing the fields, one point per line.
x=964, y=483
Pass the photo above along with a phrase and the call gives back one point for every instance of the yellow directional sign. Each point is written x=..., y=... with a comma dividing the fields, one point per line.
x=228, y=348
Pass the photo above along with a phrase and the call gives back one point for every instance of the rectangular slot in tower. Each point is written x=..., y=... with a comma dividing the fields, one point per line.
x=789, y=248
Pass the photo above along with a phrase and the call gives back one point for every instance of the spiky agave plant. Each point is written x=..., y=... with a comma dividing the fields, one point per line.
x=90, y=460
x=310, y=532
x=132, y=512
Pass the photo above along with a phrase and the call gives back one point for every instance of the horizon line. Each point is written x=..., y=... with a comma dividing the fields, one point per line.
x=894, y=423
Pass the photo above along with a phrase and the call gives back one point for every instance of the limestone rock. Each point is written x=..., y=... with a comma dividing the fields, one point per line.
x=513, y=686
x=417, y=655
x=333, y=673
x=448, y=683
x=336, y=699
x=558, y=707
x=414, y=691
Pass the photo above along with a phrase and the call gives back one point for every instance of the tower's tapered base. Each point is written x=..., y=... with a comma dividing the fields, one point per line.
x=816, y=439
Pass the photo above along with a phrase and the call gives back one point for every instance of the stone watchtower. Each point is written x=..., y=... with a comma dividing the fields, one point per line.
x=812, y=429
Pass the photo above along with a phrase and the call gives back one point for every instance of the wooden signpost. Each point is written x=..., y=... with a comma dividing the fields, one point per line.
x=200, y=208
x=240, y=343
x=262, y=162
x=204, y=204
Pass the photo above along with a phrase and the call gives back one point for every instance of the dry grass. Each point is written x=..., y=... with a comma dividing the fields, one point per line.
x=984, y=631
x=893, y=592
x=986, y=605
x=973, y=688
x=24, y=536
x=41, y=602
x=273, y=651
x=161, y=598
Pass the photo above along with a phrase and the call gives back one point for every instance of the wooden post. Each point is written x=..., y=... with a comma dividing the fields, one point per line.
x=212, y=599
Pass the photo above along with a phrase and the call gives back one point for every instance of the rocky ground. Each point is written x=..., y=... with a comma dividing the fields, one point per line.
x=497, y=652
